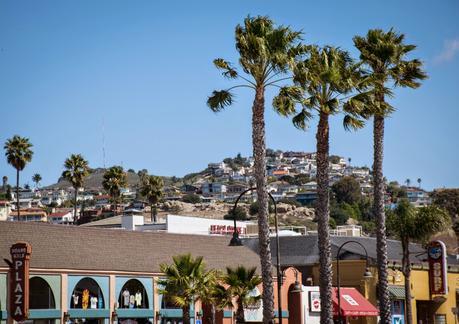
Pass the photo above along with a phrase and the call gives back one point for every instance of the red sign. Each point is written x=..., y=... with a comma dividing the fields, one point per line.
x=225, y=229
x=19, y=281
x=436, y=252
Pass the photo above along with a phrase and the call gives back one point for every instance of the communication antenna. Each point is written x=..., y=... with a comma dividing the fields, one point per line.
x=103, y=141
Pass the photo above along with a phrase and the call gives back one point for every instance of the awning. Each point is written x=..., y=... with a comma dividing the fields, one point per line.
x=352, y=303
x=397, y=292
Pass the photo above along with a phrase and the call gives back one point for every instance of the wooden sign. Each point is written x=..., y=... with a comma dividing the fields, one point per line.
x=19, y=281
x=436, y=252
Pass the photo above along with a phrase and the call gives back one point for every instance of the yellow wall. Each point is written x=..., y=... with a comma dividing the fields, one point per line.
x=351, y=273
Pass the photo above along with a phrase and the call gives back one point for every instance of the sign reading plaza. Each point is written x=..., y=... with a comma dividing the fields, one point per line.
x=19, y=281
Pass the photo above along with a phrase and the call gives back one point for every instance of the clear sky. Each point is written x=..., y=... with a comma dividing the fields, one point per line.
x=137, y=74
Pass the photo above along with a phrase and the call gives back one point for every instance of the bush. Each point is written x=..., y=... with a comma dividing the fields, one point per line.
x=292, y=202
x=254, y=207
x=239, y=212
x=191, y=199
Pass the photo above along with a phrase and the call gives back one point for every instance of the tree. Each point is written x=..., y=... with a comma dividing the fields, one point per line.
x=114, y=180
x=407, y=182
x=239, y=212
x=447, y=199
x=326, y=76
x=152, y=189
x=241, y=282
x=265, y=51
x=18, y=152
x=76, y=170
x=419, y=182
x=410, y=224
x=36, y=178
x=383, y=54
x=215, y=296
x=191, y=199
x=347, y=190
x=184, y=282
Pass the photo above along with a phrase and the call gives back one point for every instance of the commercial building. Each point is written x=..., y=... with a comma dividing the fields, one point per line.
x=94, y=275
x=302, y=252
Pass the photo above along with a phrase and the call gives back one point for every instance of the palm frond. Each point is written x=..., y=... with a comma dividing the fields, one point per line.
x=219, y=100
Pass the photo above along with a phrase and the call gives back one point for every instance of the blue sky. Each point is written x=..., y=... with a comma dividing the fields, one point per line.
x=140, y=72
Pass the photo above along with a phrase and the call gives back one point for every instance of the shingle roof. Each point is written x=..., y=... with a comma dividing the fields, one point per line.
x=71, y=247
x=304, y=250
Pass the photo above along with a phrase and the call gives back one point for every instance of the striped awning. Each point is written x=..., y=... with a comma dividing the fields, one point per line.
x=397, y=292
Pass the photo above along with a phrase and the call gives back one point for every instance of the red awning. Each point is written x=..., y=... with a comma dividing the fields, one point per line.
x=352, y=303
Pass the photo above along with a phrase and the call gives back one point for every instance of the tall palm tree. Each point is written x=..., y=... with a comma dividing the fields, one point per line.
x=114, y=180
x=152, y=189
x=76, y=169
x=326, y=76
x=266, y=52
x=384, y=55
x=241, y=282
x=409, y=224
x=36, y=178
x=18, y=153
x=407, y=182
x=419, y=182
x=184, y=282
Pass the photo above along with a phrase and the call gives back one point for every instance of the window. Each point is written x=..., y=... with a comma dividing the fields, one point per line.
x=41, y=296
x=87, y=294
x=133, y=295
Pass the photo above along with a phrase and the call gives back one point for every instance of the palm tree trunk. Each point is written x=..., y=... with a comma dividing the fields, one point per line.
x=115, y=205
x=151, y=214
x=259, y=154
x=212, y=313
x=75, y=218
x=186, y=314
x=17, y=194
x=240, y=318
x=322, y=214
x=378, y=209
x=406, y=268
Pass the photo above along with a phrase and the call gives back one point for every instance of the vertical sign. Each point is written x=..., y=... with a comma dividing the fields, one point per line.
x=436, y=252
x=19, y=281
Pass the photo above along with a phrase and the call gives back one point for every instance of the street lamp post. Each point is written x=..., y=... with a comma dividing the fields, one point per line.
x=366, y=275
x=236, y=241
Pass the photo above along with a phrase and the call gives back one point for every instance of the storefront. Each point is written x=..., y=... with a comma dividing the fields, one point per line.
x=112, y=277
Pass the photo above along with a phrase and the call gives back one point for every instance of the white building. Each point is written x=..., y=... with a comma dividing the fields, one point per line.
x=5, y=210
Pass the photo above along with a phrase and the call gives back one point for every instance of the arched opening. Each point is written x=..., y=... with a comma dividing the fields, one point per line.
x=87, y=294
x=40, y=294
x=133, y=295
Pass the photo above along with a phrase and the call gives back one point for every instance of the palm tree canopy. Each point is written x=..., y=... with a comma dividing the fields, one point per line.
x=384, y=55
x=152, y=188
x=76, y=169
x=36, y=178
x=18, y=152
x=114, y=180
x=265, y=52
x=321, y=81
x=416, y=224
x=241, y=281
x=184, y=279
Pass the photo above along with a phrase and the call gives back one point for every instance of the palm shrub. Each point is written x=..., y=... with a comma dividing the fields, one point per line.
x=18, y=152
x=241, y=282
x=185, y=282
x=411, y=224
x=266, y=52
x=384, y=55
x=76, y=170
x=113, y=181
x=321, y=83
